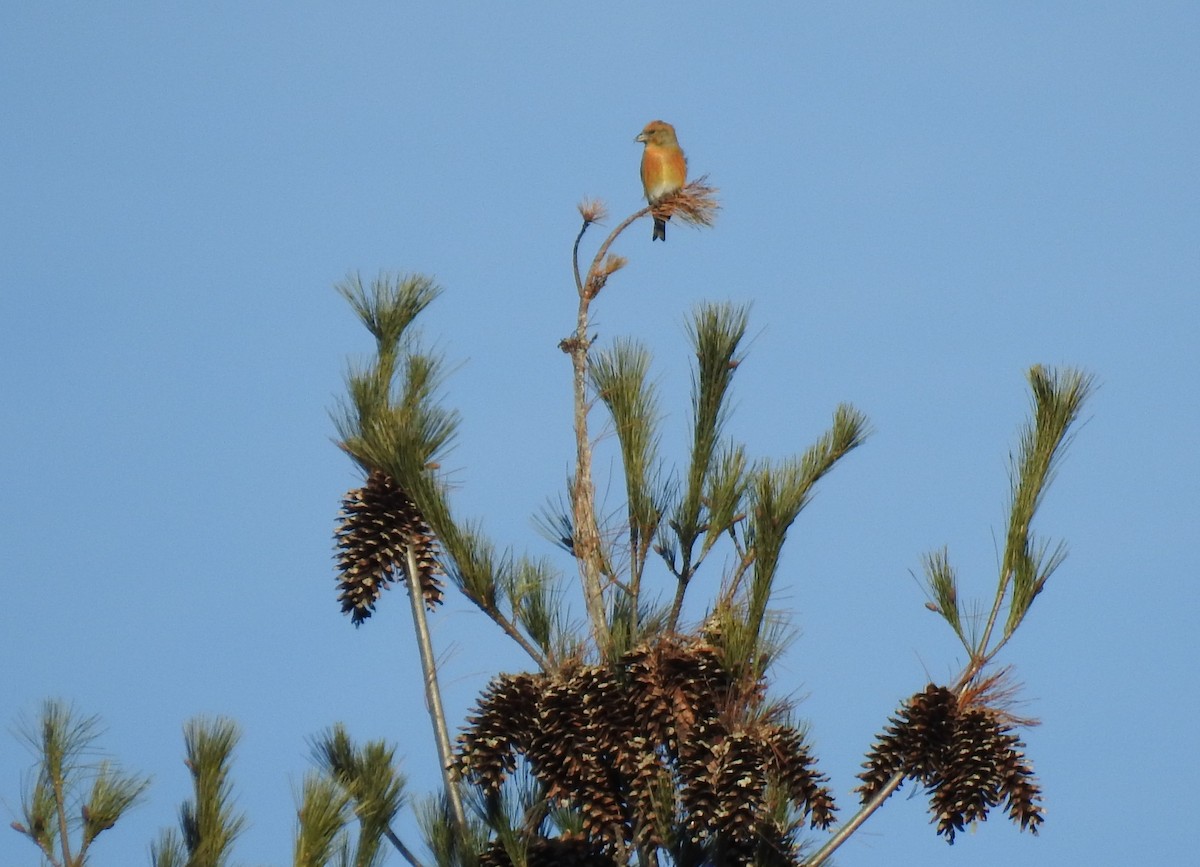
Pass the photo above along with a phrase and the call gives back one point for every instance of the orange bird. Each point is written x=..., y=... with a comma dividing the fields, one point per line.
x=664, y=169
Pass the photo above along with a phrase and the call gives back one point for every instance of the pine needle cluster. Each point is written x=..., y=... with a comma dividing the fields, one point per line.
x=208, y=821
x=74, y=796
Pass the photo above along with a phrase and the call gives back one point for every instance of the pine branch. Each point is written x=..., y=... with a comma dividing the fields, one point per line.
x=370, y=783
x=779, y=493
x=63, y=743
x=619, y=377
x=586, y=543
x=716, y=333
x=847, y=828
x=405, y=852
x=321, y=823
x=400, y=523
x=975, y=763
x=433, y=696
x=1058, y=398
x=208, y=821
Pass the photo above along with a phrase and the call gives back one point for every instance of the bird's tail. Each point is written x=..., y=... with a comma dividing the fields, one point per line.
x=660, y=230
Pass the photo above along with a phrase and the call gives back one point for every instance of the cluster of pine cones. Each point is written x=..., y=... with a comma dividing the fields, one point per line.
x=663, y=749
x=965, y=755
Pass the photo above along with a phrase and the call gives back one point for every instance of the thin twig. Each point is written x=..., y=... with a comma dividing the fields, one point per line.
x=595, y=268
x=48, y=850
x=855, y=822
x=638, y=553
x=677, y=603
x=1001, y=592
x=575, y=256
x=735, y=582
x=62, y=812
x=583, y=495
x=404, y=851
x=515, y=634
x=696, y=204
x=587, y=542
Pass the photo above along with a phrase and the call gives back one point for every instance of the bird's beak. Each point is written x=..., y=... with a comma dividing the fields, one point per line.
x=641, y=136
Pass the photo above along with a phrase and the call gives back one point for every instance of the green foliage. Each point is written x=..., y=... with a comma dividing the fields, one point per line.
x=727, y=484
x=1028, y=562
x=58, y=802
x=943, y=583
x=208, y=821
x=534, y=590
x=321, y=837
x=778, y=493
x=168, y=850
x=1058, y=398
x=443, y=836
x=112, y=794
x=368, y=783
x=391, y=420
x=620, y=378
x=352, y=782
x=716, y=331
x=389, y=306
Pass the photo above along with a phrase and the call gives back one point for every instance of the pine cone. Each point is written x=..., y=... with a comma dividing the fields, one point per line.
x=740, y=781
x=379, y=522
x=790, y=761
x=651, y=800
x=1017, y=784
x=499, y=729
x=969, y=784
x=698, y=794
x=914, y=742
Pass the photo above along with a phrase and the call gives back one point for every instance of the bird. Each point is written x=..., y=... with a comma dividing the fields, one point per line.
x=664, y=169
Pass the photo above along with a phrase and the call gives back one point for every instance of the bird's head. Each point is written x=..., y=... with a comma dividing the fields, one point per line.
x=658, y=132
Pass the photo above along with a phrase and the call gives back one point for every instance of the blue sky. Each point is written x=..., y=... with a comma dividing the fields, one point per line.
x=919, y=200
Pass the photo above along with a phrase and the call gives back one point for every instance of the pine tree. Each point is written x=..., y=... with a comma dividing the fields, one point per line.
x=644, y=738
x=648, y=739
